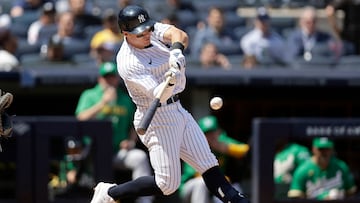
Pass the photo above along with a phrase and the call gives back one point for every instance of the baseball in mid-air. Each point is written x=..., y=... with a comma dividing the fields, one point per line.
x=216, y=103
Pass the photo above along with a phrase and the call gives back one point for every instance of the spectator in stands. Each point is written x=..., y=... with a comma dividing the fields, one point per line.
x=288, y=156
x=124, y=3
x=249, y=62
x=267, y=46
x=65, y=30
x=47, y=18
x=106, y=52
x=109, y=35
x=193, y=188
x=349, y=30
x=51, y=53
x=211, y=58
x=307, y=38
x=19, y=7
x=55, y=51
x=167, y=7
x=215, y=32
x=171, y=19
x=72, y=43
x=108, y=101
x=83, y=16
x=323, y=177
x=8, y=47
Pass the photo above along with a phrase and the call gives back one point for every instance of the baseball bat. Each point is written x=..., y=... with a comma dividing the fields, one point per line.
x=149, y=114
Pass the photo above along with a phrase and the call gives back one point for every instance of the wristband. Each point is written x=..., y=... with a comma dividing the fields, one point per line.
x=177, y=45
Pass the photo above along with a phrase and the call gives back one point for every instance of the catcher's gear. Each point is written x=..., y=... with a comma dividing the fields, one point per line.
x=6, y=124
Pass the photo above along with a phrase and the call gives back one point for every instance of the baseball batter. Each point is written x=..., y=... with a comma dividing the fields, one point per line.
x=152, y=51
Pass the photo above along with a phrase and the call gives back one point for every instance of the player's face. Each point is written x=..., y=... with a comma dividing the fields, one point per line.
x=140, y=40
x=323, y=155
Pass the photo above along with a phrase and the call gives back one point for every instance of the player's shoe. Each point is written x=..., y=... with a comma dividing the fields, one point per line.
x=101, y=193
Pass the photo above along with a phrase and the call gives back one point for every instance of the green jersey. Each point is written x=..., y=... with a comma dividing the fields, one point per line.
x=314, y=183
x=287, y=160
x=120, y=112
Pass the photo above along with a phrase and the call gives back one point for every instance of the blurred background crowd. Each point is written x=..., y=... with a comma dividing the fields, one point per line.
x=223, y=34
x=230, y=34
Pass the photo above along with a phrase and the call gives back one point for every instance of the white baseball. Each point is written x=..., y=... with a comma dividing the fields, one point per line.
x=216, y=103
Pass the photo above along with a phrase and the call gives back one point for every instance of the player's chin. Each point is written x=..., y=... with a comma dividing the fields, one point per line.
x=147, y=40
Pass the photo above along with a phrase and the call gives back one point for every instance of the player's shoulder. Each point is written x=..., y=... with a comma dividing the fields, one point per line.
x=306, y=166
x=340, y=163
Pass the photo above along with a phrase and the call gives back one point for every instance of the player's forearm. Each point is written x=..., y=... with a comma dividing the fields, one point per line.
x=91, y=112
x=176, y=35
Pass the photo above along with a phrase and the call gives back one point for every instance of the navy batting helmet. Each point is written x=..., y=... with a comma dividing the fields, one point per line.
x=134, y=19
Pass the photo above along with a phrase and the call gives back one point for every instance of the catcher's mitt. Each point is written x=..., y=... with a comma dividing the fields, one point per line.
x=6, y=124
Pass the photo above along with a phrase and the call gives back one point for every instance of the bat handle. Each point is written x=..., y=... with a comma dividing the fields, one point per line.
x=145, y=121
x=149, y=114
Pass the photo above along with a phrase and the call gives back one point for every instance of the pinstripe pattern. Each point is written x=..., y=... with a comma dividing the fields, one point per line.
x=173, y=133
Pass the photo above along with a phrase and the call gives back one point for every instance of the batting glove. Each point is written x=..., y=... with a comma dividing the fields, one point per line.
x=177, y=59
x=172, y=73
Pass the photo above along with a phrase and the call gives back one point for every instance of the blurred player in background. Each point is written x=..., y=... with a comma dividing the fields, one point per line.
x=323, y=177
x=193, y=188
x=288, y=156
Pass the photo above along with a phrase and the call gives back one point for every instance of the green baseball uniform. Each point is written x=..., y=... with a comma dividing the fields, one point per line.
x=120, y=112
x=314, y=183
x=287, y=160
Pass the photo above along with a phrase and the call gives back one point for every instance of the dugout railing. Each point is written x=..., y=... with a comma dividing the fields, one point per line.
x=30, y=148
x=266, y=131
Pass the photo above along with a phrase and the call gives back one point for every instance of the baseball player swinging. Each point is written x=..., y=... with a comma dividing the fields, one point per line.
x=151, y=52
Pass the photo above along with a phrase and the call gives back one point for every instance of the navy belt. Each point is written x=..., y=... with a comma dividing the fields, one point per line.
x=172, y=99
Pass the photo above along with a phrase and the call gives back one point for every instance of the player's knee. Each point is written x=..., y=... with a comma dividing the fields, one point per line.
x=168, y=187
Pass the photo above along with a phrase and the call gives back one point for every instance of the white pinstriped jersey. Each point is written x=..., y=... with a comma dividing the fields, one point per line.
x=143, y=69
x=173, y=134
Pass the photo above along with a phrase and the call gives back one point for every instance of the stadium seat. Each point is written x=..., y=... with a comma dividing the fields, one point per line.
x=25, y=48
x=26, y=19
x=228, y=5
x=46, y=32
x=232, y=19
x=280, y=24
x=349, y=61
x=187, y=19
x=19, y=30
x=318, y=62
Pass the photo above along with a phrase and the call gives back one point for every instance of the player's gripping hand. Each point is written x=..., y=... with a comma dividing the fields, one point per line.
x=173, y=73
x=177, y=59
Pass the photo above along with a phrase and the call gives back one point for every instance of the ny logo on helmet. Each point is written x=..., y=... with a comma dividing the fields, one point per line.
x=141, y=18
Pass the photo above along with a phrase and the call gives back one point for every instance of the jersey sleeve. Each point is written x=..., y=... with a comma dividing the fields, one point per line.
x=160, y=29
x=349, y=183
x=302, y=155
x=297, y=186
x=86, y=101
